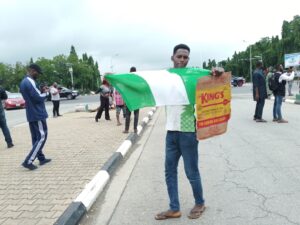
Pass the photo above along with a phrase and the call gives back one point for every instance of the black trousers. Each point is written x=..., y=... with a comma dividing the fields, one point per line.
x=55, y=108
x=104, y=105
x=135, y=120
x=259, y=109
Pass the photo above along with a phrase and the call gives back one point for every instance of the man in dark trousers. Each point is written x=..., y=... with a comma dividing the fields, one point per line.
x=128, y=114
x=259, y=91
x=3, y=124
x=36, y=116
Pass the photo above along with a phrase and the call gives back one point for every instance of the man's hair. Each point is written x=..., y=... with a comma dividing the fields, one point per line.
x=259, y=64
x=181, y=46
x=132, y=69
x=105, y=82
x=278, y=66
x=35, y=67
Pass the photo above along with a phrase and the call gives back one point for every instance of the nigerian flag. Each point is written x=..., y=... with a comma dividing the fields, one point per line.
x=175, y=86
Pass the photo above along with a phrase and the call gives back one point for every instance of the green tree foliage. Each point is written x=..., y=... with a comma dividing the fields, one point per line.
x=85, y=72
x=270, y=50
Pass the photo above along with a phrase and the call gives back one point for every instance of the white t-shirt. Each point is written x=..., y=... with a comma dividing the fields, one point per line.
x=181, y=118
x=287, y=76
x=54, y=94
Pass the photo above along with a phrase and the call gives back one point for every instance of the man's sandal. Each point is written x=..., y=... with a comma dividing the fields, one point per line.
x=168, y=215
x=196, y=212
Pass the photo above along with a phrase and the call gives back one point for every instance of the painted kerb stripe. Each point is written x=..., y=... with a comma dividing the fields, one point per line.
x=77, y=209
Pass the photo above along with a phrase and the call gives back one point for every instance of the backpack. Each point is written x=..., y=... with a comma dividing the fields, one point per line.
x=273, y=82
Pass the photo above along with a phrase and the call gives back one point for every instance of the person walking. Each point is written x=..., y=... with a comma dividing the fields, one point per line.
x=259, y=91
x=128, y=114
x=181, y=141
x=36, y=116
x=55, y=98
x=281, y=79
x=105, y=92
x=3, y=124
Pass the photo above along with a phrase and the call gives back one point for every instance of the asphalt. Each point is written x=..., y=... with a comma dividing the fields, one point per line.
x=250, y=175
x=78, y=147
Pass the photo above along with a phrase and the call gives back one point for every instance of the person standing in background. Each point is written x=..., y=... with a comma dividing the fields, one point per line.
x=3, y=124
x=128, y=114
x=290, y=86
x=105, y=92
x=259, y=91
x=281, y=79
x=55, y=98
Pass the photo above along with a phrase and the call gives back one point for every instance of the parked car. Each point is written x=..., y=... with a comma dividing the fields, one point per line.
x=14, y=101
x=65, y=93
x=237, y=81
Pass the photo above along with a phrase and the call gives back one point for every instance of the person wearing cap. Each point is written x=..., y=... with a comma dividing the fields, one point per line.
x=36, y=115
x=259, y=91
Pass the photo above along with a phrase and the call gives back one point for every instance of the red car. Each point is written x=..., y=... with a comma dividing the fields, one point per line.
x=14, y=101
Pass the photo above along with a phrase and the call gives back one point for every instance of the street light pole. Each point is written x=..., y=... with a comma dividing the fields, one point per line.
x=111, y=62
x=72, y=81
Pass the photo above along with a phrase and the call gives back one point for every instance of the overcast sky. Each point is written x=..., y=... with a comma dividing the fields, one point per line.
x=124, y=33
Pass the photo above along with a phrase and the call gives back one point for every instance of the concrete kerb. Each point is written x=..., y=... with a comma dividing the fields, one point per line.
x=85, y=200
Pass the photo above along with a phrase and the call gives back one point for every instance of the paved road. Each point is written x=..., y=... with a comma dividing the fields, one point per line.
x=250, y=174
x=18, y=116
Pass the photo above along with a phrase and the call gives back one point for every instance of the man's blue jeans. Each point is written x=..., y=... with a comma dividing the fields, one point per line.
x=277, y=107
x=182, y=144
x=4, y=127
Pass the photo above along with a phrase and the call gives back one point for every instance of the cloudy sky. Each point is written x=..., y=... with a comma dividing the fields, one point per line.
x=123, y=33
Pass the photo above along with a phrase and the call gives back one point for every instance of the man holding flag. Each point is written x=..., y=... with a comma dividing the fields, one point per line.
x=176, y=90
x=181, y=140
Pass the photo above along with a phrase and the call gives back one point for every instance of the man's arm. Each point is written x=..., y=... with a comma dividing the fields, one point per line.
x=287, y=76
x=98, y=91
x=34, y=93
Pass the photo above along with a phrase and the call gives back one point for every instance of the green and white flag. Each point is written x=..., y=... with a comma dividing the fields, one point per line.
x=158, y=88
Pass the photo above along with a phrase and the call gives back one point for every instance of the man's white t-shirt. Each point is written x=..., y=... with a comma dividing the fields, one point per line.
x=54, y=94
x=181, y=118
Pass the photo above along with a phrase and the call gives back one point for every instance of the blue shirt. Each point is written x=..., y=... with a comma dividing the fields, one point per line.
x=35, y=100
x=259, y=81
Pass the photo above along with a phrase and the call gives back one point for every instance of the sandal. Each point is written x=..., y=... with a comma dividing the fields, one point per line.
x=196, y=212
x=168, y=215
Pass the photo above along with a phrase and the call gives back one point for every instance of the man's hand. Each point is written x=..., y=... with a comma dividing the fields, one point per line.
x=257, y=97
x=217, y=71
x=256, y=94
x=45, y=89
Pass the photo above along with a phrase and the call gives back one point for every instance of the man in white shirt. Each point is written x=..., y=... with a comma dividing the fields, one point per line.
x=289, y=77
x=55, y=99
x=181, y=141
